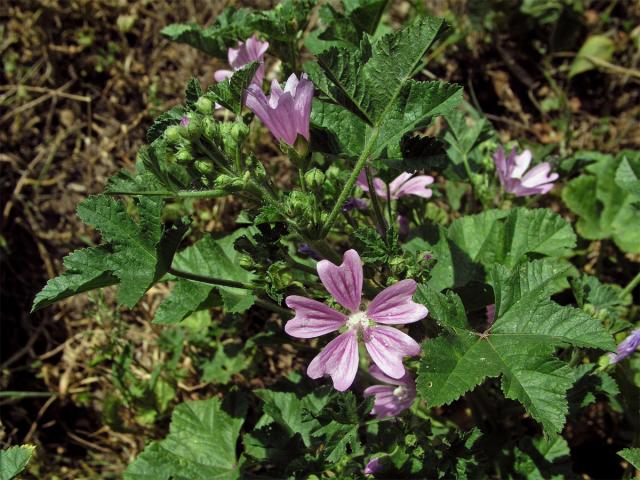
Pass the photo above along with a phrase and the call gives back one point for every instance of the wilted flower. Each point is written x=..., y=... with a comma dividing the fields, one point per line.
x=286, y=112
x=184, y=121
x=403, y=184
x=511, y=170
x=627, y=346
x=246, y=52
x=372, y=466
x=386, y=345
x=355, y=203
x=390, y=400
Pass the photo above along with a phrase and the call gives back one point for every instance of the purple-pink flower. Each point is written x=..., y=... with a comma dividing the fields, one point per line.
x=386, y=345
x=391, y=399
x=403, y=184
x=373, y=466
x=511, y=170
x=286, y=112
x=252, y=50
x=627, y=346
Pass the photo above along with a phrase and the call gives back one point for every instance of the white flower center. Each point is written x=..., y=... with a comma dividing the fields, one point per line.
x=358, y=321
x=400, y=392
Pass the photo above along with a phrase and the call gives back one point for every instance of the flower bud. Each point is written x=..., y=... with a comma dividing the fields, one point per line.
x=210, y=128
x=314, y=178
x=223, y=182
x=184, y=156
x=246, y=262
x=172, y=134
x=239, y=131
x=204, y=106
x=192, y=128
x=204, y=166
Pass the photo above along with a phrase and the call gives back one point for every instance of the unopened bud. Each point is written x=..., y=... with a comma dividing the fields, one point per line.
x=204, y=166
x=172, y=134
x=209, y=128
x=314, y=178
x=246, y=262
x=204, y=106
x=184, y=156
x=239, y=131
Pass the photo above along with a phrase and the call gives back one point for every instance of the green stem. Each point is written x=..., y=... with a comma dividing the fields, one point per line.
x=272, y=307
x=346, y=190
x=213, y=193
x=375, y=202
x=210, y=280
x=630, y=286
x=303, y=185
x=302, y=267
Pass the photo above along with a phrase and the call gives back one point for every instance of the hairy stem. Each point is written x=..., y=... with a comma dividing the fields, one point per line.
x=375, y=202
x=210, y=280
x=630, y=286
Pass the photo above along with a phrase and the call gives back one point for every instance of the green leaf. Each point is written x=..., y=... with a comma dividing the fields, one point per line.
x=628, y=175
x=596, y=47
x=211, y=258
x=14, y=460
x=85, y=270
x=192, y=93
x=136, y=255
x=631, y=455
x=373, y=102
x=141, y=253
x=201, y=444
x=519, y=346
x=496, y=236
x=231, y=25
x=229, y=93
x=286, y=409
x=543, y=459
x=613, y=211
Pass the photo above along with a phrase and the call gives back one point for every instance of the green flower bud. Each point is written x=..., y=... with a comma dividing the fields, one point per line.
x=210, y=128
x=223, y=182
x=246, y=262
x=204, y=166
x=239, y=131
x=314, y=178
x=193, y=129
x=172, y=135
x=184, y=156
x=204, y=106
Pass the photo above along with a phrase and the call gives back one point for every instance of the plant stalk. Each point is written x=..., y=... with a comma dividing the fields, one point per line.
x=210, y=280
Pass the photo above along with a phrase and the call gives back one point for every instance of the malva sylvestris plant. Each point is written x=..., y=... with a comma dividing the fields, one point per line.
x=461, y=312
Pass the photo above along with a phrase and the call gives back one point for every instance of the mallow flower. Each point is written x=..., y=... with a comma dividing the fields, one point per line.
x=626, y=347
x=391, y=399
x=511, y=171
x=403, y=184
x=252, y=50
x=386, y=345
x=286, y=112
x=373, y=466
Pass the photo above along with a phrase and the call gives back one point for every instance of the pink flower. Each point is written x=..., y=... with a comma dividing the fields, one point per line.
x=286, y=112
x=250, y=51
x=403, y=184
x=373, y=466
x=390, y=400
x=511, y=170
x=387, y=346
x=626, y=347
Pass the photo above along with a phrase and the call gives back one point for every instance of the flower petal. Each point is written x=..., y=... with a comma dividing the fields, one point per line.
x=387, y=347
x=520, y=164
x=538, y=175
x=339, y=360
x=394, y=305
x=415, y=186
x=397, y=182
x=379, y=375
x=344, y=282
x=222, y=75
x=312, y=318
x=303, y=98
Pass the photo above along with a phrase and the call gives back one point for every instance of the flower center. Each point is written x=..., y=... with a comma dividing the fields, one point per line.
x=400, y=392
x=358, y=321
